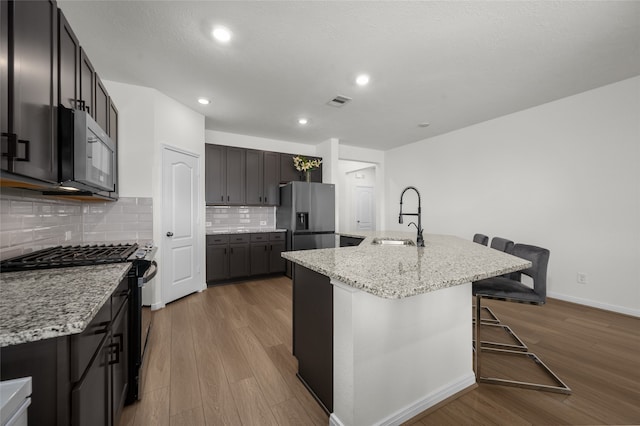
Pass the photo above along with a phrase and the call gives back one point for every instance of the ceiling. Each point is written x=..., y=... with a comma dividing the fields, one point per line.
x=450, y=64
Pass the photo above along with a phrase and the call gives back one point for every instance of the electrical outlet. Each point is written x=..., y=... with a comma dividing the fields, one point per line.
x=207, y=224
x=263, y=223
x=67, y=235
x=581, y=278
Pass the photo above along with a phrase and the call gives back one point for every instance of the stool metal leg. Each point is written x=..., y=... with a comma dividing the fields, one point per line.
x=560, y=386
x=479, y=345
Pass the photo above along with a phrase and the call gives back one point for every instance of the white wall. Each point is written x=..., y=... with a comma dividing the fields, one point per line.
x=564, y=175
x=149, y=121
x=135, y=138
x=254, y=142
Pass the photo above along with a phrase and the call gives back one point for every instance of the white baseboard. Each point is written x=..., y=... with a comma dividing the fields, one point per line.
x=595, y=304
x=419, y=406
x=334, y=420
x=156, y=306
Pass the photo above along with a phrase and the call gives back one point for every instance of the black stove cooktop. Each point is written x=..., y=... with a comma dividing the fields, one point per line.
x=65, y=256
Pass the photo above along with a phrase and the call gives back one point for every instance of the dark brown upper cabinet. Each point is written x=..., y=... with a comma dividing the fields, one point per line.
x=29, y=88
x=101, y=105
x=263, y=177
x=68, y=64
x=236, y=168
x=271, y=178
x=225, y=175
x=87, y=85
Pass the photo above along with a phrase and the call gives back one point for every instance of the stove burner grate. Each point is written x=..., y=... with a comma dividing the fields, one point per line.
x=65, y=256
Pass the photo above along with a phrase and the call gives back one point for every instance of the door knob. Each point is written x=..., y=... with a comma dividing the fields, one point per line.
x=169, y=234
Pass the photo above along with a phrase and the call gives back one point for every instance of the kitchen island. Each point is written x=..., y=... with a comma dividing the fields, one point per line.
x=383, y=332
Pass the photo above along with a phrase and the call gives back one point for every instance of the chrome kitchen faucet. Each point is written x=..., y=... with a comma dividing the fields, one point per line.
x=419, y=239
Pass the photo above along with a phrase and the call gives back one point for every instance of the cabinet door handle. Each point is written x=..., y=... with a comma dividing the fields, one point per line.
x=120, y=337
x=102, y=328
x=222, y=198
x=114, y=349
x=265, y=200
x=225, y=251
x=265, y=248
x=26, y=150
x=231, y=250
x=11, y=144
x=260, y=199
x=227, y=198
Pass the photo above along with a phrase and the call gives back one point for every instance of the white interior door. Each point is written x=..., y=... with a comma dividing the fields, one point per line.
x=180, y=257
x=364, y=208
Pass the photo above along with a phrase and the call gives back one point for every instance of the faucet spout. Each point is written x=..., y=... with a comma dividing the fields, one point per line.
x=419, y=238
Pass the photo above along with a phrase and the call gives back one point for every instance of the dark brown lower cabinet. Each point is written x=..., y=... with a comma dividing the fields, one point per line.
x=232, y=256
x=259, y=258
x=313, y=333
x=120, y=361
x=91, y=397
x=239, y=260
x=217, y=262
x=276, y=262
x=79, y=379
x=350, y=241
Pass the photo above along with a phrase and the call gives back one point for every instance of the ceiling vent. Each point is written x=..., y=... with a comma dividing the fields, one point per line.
x=339, y=101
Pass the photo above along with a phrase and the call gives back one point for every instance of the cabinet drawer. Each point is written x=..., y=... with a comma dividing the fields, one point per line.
x=217, y=239
x=85, y=344
x=277, y=236
x=239, y=238
x=264, y=236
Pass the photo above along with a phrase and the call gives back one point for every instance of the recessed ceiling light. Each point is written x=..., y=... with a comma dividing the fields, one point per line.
x=221, y=34
x=303, y=121
x=425, y=124
x=362, y=80
x=204, y=101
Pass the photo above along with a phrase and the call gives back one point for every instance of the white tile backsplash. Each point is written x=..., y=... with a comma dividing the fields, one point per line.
x=240, y=218
x=29, y=222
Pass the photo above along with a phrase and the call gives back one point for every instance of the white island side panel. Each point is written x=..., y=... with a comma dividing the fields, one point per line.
x=394, y=358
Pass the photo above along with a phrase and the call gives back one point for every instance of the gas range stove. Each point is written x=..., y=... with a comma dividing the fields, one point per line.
x=79, y=255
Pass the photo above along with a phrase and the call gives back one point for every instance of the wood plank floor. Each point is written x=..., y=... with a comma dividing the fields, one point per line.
x=223, y=357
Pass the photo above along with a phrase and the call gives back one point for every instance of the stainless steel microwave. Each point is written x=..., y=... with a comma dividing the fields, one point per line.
x=87, y=154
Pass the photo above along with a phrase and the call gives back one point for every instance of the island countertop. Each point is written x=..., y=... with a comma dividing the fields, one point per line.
x=46, y=303
x=396, y=272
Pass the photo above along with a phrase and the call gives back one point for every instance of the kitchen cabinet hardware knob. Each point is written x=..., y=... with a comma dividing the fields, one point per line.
x=169, y=234
x=222, y=198
x=227, y=198
x=260, y=199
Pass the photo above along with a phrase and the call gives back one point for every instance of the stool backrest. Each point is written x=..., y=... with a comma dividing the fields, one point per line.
x=481, y=239
x=502, y=244
x=539, y=257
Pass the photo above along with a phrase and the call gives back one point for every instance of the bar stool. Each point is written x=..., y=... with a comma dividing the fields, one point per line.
x=513, y=290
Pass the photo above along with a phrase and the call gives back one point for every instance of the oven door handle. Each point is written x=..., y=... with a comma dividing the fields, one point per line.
x=149, y=274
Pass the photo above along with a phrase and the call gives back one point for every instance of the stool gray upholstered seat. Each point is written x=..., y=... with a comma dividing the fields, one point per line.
x=481, y=239
x=510, y=288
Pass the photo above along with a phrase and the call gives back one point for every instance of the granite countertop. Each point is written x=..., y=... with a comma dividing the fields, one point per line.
x=46, y=303
x=395, y=272
x=248, y=231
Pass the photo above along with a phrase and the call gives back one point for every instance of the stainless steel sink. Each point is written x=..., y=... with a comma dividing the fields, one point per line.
x=392, y=242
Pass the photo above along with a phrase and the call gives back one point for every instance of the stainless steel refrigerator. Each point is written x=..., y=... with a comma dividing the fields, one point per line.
x=307, y=212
